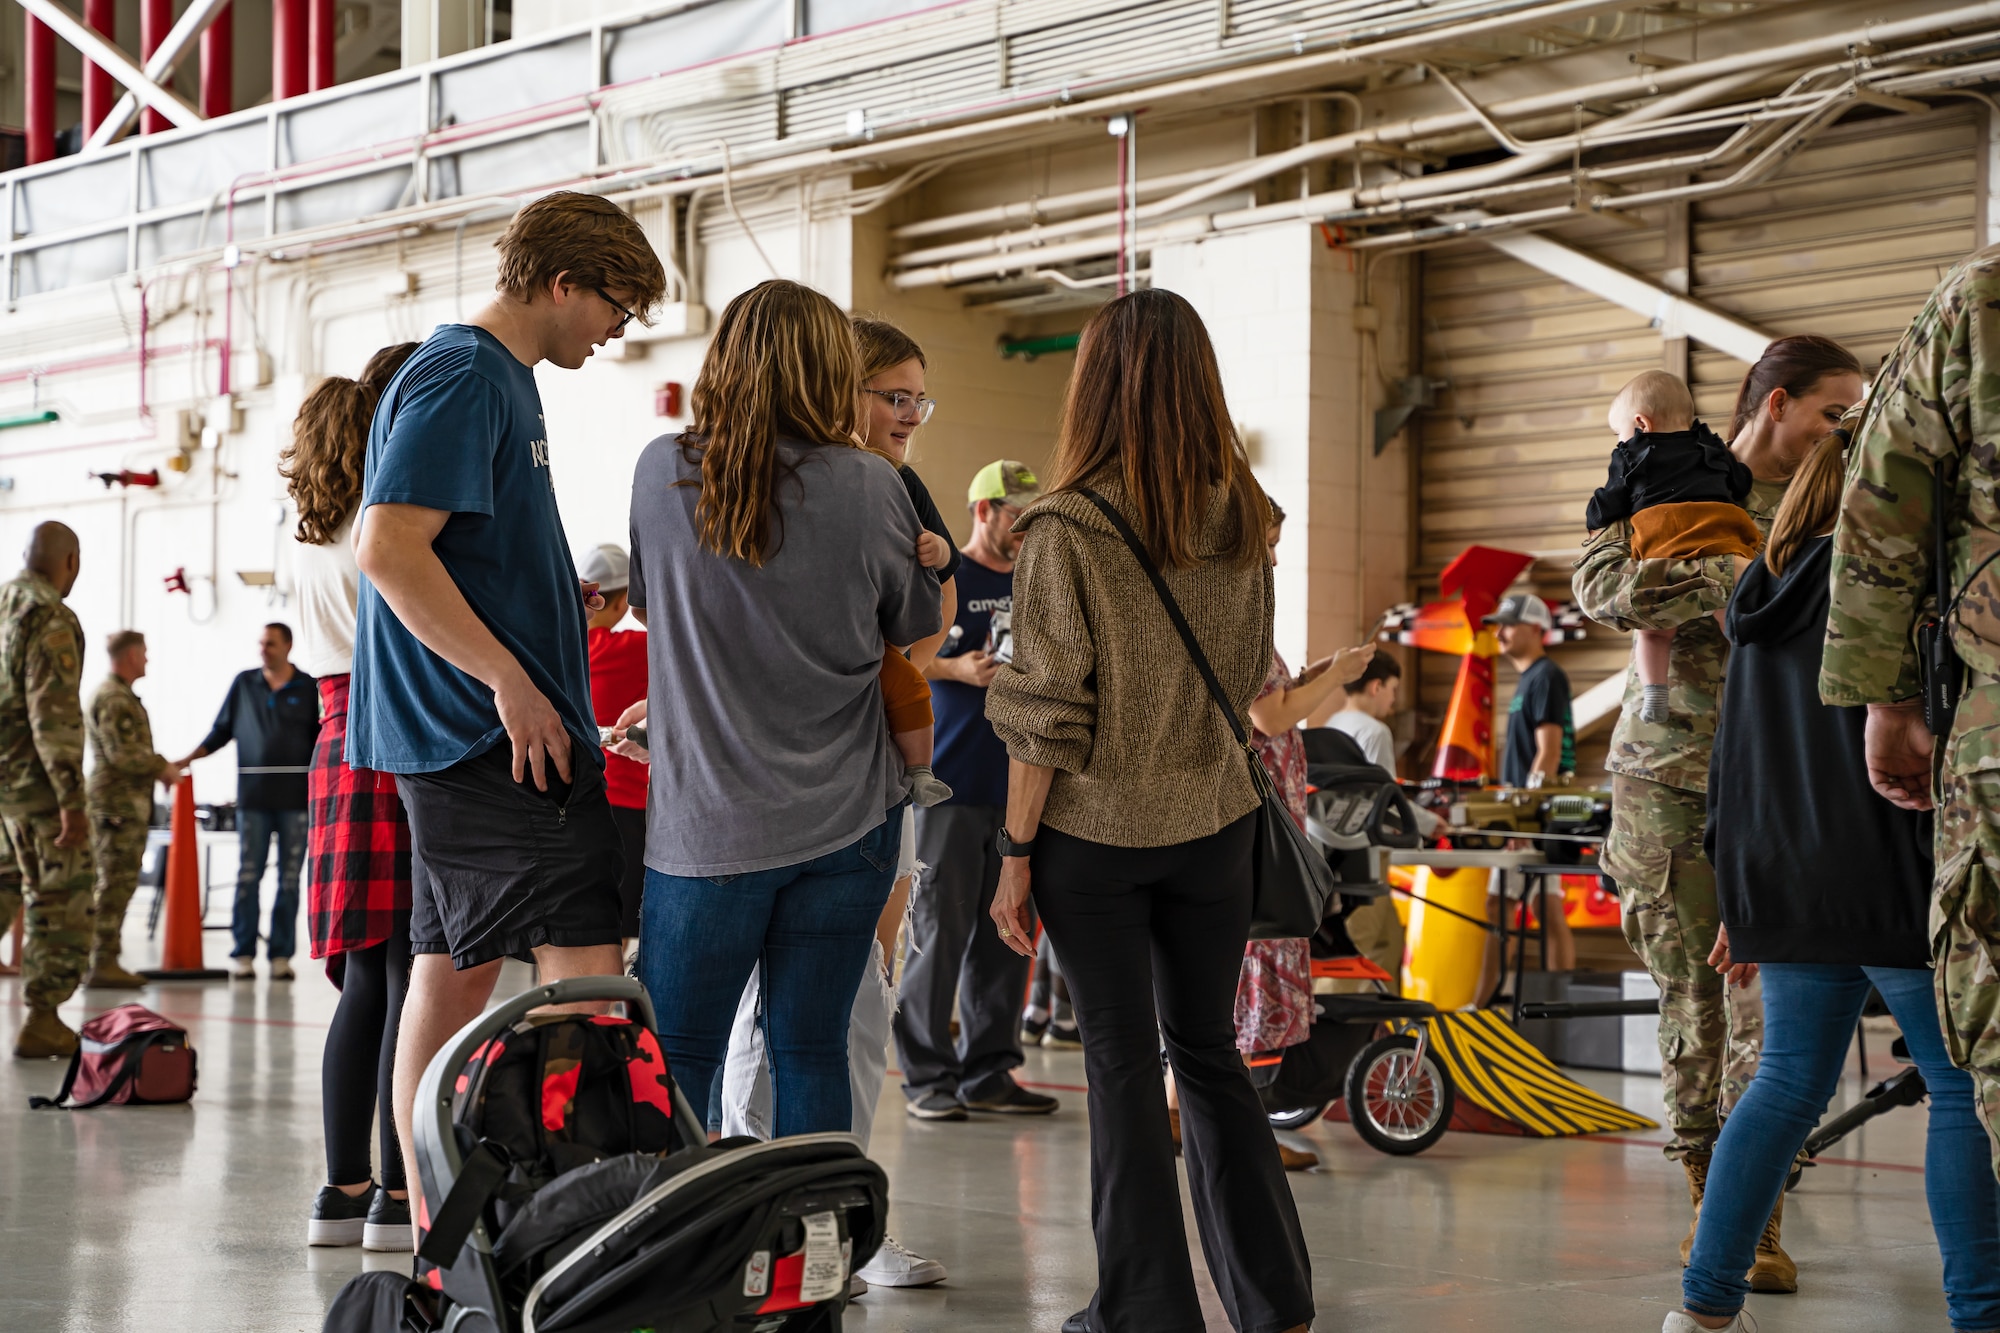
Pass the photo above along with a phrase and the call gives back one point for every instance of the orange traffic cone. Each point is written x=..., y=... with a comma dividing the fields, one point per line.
x=180, y=952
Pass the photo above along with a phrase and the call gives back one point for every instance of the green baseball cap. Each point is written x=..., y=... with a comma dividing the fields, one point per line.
x=1006, y=481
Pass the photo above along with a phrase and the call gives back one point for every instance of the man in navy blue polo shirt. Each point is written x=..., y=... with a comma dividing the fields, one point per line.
x=950, y=955
x=272, y=713
x=471, y=663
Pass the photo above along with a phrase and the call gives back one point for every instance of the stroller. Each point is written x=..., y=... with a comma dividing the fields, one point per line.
x=566, y=1186
x=1368, y=1049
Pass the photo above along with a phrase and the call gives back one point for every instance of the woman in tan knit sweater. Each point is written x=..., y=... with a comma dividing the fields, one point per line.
x=1131, y=813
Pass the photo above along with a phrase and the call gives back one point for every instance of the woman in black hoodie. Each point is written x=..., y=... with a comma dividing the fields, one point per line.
x=1825, y=887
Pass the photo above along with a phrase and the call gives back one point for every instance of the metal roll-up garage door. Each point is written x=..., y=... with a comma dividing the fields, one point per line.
x=1517, y=440
x=1846, y=240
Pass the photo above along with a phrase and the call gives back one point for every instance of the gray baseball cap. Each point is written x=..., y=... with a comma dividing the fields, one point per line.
x=608, y=567
x=1523, y=608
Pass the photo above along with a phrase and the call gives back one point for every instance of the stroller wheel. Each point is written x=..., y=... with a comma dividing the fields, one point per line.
x=1399, y=1101
x=1298, y=1117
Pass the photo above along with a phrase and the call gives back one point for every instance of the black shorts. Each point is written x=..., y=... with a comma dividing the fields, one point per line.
x=632, y=828
x=498, y=869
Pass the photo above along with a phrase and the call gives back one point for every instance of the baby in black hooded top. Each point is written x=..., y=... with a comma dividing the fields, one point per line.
x=1683, y=493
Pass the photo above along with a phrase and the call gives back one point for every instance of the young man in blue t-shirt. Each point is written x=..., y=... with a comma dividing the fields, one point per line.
x=471, y=665
x=950, y=955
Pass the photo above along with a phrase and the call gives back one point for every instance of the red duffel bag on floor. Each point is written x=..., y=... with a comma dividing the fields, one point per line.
x=127, y=1054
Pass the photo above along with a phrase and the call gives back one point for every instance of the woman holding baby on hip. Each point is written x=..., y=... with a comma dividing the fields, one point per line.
x=1679, y=511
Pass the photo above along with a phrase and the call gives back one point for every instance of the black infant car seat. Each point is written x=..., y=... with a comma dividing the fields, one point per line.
x=566, y=1186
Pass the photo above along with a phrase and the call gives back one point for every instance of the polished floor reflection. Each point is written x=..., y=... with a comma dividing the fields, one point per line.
x=193, y=1217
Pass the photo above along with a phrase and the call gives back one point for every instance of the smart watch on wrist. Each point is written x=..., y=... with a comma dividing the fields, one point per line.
x=1009, y=847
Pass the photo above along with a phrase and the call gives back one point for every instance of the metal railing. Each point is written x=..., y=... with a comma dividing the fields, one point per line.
x=667, y=89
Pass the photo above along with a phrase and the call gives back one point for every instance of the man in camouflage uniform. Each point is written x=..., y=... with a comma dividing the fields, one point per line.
x=1710, y=1034
x=120, y=799
x=1935, y=405
x=41, y=782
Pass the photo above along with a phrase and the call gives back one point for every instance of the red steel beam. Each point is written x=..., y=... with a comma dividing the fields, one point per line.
x=218, y=65
x=288, y=48
x=98, y=94
x=320, y=39
x=39, y=91
x=156, y=18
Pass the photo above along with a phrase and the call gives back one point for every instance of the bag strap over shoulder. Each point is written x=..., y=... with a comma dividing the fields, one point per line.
x=1173, y=610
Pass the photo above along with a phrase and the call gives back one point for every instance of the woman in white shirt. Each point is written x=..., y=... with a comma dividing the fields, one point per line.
x=358, y=889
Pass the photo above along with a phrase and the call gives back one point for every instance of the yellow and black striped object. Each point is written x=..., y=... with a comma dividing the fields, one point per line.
x=1495, y=1069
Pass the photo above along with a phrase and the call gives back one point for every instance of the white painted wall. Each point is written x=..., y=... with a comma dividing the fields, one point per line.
x=1280, y=307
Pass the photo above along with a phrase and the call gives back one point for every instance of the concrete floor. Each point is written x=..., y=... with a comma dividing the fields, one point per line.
x=193, y=1217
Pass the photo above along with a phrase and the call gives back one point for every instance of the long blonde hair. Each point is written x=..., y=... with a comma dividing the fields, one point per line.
x=782, y=362
x=1146, y=402
x=1811, y=502
x=322, y=465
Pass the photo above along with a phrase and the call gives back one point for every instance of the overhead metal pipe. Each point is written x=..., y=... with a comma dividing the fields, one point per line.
x=1740, y=69
x=38, y=91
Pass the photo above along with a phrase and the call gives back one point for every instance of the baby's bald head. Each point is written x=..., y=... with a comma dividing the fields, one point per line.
x=1654, y=402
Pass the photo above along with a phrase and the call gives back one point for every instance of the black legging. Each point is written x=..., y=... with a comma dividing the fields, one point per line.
x=357, y=1069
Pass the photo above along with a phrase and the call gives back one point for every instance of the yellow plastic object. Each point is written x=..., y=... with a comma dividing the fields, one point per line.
x=1404, y=878
x=1442, y=957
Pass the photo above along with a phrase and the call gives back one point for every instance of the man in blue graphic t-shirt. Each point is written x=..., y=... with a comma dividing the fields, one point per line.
x=471, y=664
x=949, y=955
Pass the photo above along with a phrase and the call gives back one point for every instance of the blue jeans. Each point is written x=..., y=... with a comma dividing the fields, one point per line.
x=254, y=829
x=1809, y=1015
x=810, y=926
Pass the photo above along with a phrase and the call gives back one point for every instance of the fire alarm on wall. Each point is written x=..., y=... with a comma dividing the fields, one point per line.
x=667, y=399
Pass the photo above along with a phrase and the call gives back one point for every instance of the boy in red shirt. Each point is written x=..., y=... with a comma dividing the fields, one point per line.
x=617, y=681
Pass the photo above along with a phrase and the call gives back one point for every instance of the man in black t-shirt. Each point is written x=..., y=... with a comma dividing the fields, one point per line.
x=1541, y=737
x=953, y=954
x=1541, y=752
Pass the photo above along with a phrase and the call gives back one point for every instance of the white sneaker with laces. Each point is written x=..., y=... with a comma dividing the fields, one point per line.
x=244, y=970
x=894, y=1266
x=1679, y=1322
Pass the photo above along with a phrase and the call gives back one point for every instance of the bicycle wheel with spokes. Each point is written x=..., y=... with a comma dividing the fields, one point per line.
x=1399, y=1099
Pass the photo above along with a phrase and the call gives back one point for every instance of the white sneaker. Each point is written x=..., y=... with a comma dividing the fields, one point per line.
x=894, y=1266
x=857, y=1287
x=1678, y=1322
x=245, y=970
x=281, y=969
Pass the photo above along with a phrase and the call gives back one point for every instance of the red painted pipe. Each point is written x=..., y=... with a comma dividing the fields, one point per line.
x=218, y=65
x=288, y=48
x=155, y=18
x=98, y=94
x=320, y=38
x=39, y=91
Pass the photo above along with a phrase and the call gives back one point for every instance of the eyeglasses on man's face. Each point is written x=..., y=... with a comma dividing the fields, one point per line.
x=629, y=315
x=912, y=409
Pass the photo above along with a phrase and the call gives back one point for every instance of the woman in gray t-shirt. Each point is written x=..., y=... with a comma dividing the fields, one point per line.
x=772, y=560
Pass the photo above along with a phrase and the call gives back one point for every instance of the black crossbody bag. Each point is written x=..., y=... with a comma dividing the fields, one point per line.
x=1293, y=882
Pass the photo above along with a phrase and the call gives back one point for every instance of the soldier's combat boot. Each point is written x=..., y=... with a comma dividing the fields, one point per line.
x=1774, y=1272
x=106, y=974
x=1696, y=1166
x=44, y=1037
